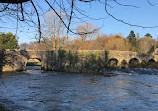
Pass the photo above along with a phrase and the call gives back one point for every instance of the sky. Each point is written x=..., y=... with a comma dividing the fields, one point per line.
x=145, y=16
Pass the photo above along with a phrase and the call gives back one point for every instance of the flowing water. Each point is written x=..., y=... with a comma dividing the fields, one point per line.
x=35, y=90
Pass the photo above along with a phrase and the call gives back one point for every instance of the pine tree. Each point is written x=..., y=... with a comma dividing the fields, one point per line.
x=132, y=39
x=8, y=41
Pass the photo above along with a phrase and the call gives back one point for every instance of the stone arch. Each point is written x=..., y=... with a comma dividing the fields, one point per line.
x=134, y=62
x=151, y=61
x=34, y=60
x=113, y=62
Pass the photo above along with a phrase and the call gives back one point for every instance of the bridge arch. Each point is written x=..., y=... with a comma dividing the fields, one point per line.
x=151, y=61
x=113, y=62
x=33, y=61
x=134, y=62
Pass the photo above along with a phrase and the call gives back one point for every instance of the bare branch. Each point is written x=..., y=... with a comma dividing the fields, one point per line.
x=72, y=5
x=86, y=1
x=39, y=23
x=150, y=3
x=22, y=12
x=13, y=1
x=5, y=7
x=127, y=22
x=125, y=5
x=65, y=23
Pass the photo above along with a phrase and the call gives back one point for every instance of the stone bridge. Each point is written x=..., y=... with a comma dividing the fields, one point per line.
x=75, y=61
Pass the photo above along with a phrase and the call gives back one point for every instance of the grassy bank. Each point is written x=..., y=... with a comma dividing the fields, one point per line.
x=33, y=64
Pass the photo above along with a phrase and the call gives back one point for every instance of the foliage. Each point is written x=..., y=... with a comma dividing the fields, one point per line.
x=146, y=45
x=114, y=43
x=79, y=61
x=101, y=42
x=8, y=41
x=132, y=39
x=33, y=64
x=61, y=56
x=73, y=58
x=93, y=62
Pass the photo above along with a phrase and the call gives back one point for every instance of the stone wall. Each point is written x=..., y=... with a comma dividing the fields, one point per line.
x=90, y=60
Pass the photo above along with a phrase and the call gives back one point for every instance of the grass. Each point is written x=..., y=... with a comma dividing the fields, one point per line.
x=33, y=64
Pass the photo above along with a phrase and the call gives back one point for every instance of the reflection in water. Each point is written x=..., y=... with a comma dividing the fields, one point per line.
x=31, y=68
x=34, y=90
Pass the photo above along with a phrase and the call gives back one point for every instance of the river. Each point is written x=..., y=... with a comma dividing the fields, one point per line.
x=35, y=90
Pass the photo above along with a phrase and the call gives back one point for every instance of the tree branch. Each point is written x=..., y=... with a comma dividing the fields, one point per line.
x=39, y=23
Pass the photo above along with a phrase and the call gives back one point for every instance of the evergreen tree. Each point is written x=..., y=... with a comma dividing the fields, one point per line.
x=8, y=41
x=132, y=39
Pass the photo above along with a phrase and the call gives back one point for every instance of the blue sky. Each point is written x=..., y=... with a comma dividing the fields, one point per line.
x=146, y=15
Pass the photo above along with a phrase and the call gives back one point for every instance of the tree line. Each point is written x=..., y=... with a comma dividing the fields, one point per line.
x=88, y=37
x=92, y=41
x=145, y=44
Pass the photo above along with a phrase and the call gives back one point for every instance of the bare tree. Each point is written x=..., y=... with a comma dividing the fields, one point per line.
x=24, y=46
x=53, y=28
x=85, y=28
x=146, y=44
x=20, y=10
